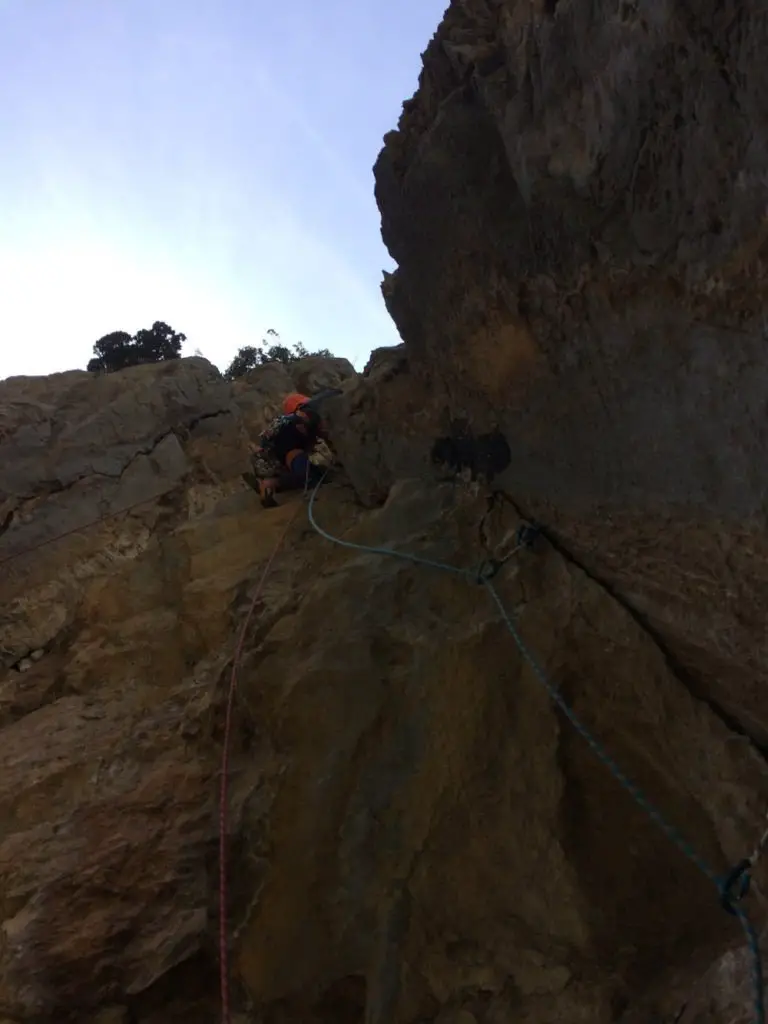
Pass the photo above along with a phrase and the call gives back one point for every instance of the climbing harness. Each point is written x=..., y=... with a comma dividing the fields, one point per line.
x=734, y=886
x=270, y=434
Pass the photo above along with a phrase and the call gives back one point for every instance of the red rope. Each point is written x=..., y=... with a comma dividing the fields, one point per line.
x=223, y=794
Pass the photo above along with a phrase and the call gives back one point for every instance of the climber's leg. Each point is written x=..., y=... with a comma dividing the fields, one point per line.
x=302, y=471
x=267, y=488
x=265, y=478
x=297, y=472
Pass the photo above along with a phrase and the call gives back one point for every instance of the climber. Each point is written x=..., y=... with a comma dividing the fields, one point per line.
x=281, y=460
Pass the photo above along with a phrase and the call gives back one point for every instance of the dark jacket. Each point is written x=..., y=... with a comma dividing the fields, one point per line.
x=301, y=430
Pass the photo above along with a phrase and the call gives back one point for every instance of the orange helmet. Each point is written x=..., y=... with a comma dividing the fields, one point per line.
x=293, y=401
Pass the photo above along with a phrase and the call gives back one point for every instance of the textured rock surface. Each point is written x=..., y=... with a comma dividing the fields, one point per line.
x=576, y=199
x=128, y=539
x=416, y=834
x=259, y=392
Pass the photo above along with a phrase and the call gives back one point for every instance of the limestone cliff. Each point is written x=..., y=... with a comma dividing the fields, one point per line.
x=575, y=201
x=415, y=832
x=575, y=198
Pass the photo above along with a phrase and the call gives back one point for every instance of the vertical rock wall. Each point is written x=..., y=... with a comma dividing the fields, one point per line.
x=576, y=200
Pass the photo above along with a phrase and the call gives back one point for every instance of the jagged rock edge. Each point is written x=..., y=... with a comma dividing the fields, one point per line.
x=730, y=723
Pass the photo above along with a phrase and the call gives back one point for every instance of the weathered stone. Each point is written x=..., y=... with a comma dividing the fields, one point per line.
x=107, y=791
x=260, y=392
x=381, y=426
x=456, y=1017
x=111, y=1015
x=414, y=772
x=575, y=199
x=415, y=832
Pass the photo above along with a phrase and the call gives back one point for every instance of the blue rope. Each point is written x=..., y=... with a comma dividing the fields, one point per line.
x=756, y=960
x=368, y=550
x=731, y=888
x=724, y=886
x=598, y=749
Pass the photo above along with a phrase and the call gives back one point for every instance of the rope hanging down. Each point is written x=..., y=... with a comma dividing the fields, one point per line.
x=224, y=779
x=734, y=886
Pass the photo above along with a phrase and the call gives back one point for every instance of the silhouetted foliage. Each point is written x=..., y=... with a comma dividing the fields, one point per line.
x=158, y=343
x=119, y=349
x=249, y=357
x=112, y=352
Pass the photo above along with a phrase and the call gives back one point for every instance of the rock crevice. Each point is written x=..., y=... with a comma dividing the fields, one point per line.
x=574, y=198
x=578, y=228
x=414, y=830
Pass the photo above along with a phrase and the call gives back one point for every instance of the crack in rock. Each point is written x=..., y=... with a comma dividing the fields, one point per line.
x=181, y=431
x=684, y=678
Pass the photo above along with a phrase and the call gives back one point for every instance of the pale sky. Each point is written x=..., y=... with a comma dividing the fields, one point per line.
x=203, y=162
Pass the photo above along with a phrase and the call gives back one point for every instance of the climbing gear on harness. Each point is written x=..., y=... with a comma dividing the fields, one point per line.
x=734, y=886
x=269, y=435
x=287, y=431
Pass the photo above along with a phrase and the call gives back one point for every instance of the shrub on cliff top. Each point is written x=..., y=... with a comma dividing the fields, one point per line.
x=249, y=356
x=119, y=349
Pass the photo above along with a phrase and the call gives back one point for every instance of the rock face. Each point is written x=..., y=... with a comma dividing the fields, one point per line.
x=575, y=198
x=416, y=833
x=128, y=540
